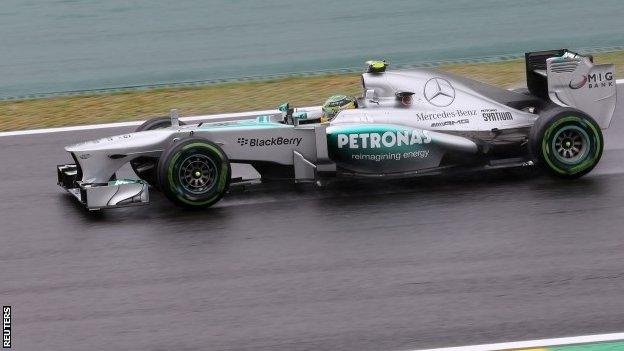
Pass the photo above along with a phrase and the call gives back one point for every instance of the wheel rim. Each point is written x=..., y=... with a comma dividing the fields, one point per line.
x=571, y=145
x=198, y=174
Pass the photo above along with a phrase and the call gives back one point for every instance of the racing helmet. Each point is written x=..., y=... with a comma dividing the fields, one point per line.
x=335, y=104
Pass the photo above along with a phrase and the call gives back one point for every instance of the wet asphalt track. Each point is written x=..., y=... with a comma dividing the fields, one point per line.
x=391, y=266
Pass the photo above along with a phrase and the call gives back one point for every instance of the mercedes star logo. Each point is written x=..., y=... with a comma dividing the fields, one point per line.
x=439, y=92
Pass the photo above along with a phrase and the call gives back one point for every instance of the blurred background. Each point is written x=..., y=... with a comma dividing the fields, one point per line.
x=64, y=45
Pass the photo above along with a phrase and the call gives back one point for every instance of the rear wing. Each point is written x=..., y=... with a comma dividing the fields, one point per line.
x=570, y=79
x=535, y=63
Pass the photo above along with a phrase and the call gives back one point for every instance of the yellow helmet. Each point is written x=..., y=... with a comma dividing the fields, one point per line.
x=335, y=104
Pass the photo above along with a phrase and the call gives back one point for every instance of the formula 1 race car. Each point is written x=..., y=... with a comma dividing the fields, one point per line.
x=406, y=123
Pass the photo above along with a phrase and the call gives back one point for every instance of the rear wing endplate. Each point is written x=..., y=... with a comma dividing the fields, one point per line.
x=570, y=79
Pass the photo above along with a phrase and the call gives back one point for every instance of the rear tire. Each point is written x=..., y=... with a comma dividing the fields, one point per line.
x=567, y=142
x=145, y=167
x=194, y=173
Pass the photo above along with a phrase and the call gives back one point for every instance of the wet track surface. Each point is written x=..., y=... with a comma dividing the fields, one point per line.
x=358, y=266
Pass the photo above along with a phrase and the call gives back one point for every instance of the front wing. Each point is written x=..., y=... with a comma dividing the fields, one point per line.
x=115, y=193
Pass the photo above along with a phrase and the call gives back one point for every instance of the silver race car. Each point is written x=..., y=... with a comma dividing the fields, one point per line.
x=406, y=123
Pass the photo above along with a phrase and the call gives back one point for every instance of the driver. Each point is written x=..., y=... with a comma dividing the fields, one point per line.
x=335, y=104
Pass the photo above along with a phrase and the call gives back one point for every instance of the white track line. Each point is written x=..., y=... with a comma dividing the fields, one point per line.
x=536, y=343
x=212, y=118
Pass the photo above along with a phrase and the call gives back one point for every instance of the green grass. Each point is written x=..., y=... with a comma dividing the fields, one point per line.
x=222, y=98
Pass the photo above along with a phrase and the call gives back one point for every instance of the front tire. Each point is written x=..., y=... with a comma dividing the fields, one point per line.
x=567, y=142
x=145, y=167
x=194, y=173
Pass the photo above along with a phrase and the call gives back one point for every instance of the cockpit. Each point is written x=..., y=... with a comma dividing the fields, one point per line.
x=379, y=91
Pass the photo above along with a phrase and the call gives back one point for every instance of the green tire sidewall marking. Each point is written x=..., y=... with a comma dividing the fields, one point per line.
x=220, y=185
x=594, y=147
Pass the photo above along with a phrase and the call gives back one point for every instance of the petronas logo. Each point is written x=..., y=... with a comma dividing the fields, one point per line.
x=387, y=139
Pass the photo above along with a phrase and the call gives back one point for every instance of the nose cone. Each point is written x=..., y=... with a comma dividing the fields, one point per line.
x=137, y=140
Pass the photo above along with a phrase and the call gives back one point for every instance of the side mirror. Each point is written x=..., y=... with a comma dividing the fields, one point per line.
x=284, y=107
x=300, y=115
